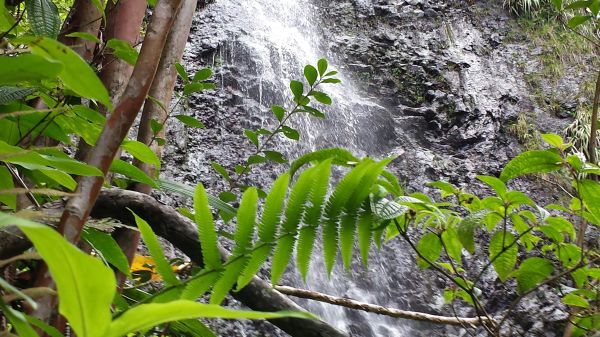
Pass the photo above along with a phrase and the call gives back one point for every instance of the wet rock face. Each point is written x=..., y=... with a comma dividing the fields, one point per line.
x=441, y=82
x=445, y=73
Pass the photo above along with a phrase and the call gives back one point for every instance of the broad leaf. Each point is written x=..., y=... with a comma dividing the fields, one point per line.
x=310, y=73
x=27, y=67
x=76, y=74
x=122, y=167
x=503, y=253
x=107, y=248
x=148, y=315
x=86, y=305
x=466, y=229
x=531, y=272
x=531, y=162
x=43, y=17
x=141, y=152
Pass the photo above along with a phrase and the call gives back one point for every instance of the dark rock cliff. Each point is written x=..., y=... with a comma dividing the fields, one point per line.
x=441, y=83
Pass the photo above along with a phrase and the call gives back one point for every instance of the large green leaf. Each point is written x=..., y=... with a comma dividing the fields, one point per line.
x=162, y=265
x=537, y=161
x=43, y=17
x=312, y=217
x=271, y=215
x=6, y=20
x=246, y=221
x=122, y=167
x=590, y=193
x=503, y=252
x=293, y=216
x=466, y=229
x=148, y=315
x=85, y=286
x=430, y=248
x=76, y=74
x=531, y=272
x=141, y=152
x=27, y=67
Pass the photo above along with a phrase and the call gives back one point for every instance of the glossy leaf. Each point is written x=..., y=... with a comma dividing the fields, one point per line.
x=27, y=67
x=146, y=316
x=503, y=252
x=76, y=74
x=297, y=88
x=531, y=162
x=310, y=73
x=86, y=305
x=190, y=121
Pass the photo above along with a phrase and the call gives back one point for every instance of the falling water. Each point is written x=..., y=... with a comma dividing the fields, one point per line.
x=265, y=44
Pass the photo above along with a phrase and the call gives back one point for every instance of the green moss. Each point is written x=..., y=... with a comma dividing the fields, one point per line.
x=526, y=133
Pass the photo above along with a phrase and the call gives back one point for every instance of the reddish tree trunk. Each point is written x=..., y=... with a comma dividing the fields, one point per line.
x=78, y=208
x=161, y=90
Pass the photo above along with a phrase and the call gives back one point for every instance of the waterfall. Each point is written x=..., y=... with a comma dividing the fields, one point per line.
x=256, y=47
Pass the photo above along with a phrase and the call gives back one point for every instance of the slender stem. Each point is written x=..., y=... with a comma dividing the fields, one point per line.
x=233, y=182
x=592, y=144
x=478, y=307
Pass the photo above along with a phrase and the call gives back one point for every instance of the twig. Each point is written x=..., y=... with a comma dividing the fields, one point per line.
x=24, y=256
x=392, y=312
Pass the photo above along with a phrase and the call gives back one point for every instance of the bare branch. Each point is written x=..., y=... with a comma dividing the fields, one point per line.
x=374, y=308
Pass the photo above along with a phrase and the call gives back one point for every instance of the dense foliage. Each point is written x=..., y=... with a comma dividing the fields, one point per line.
x=52, y=108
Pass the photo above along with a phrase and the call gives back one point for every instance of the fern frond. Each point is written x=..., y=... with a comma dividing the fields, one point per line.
x=312, y=216
x=293, y=216
x=347, y=232
x=232, y=271
x=200, y=285
x=297, y=201
x=394, y=186
x=361, y=192
x=189, y=192
x=342, y=192
x=206, y=229
x=338, y=156
x=365, y=233
x=271, y=216
x=257, y=259
x=306, y=243
x=246, y=220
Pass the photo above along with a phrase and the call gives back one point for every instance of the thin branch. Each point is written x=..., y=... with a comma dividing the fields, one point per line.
x=392, y=312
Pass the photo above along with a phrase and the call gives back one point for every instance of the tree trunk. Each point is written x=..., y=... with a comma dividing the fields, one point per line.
x=101, y=156
x=161, y=90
